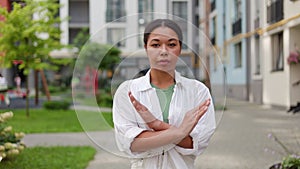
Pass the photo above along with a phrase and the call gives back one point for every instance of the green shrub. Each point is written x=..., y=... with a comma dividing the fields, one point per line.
x=291, y=162
x=56, y=105
x=104, y=99
x=10, y=145
x=56, y=89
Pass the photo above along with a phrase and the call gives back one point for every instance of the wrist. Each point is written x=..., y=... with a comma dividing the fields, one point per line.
x=154, y=124
x=158, y=125
x=184, y=131
x=178, y=133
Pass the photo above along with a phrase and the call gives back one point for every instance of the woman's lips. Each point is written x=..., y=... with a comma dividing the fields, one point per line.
x=163, y=62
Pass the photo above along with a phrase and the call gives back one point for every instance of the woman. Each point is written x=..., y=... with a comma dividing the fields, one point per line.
x=163, y=120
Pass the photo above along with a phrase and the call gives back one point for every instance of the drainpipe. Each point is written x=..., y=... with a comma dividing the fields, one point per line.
x=207, y=60
x=248, y=50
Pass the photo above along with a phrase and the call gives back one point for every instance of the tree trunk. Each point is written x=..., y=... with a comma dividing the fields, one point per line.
x=27, y=96
x=36, y=84
x=45, y=85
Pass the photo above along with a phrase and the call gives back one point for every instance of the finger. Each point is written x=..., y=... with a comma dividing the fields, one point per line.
x=136, y=104
x=202, y=104
x=205, y=103
x=132, y=99
x=131, y=96
x=201, y=112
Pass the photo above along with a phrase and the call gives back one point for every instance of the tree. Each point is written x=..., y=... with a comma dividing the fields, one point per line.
x=81, y=38
x=94, y=57
x=29, y=33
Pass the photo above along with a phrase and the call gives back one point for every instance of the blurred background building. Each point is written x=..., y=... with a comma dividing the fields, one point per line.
x=244, y=55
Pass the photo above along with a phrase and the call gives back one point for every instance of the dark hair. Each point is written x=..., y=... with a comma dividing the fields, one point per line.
x=161, y=23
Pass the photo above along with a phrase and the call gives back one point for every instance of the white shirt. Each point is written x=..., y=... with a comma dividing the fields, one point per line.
x=188, y=94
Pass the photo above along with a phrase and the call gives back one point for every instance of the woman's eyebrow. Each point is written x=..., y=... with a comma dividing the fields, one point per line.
x=156, y=40
x=173, y=39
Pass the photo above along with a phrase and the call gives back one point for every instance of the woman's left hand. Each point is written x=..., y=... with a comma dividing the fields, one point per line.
x=147, y=116
x=141, y=109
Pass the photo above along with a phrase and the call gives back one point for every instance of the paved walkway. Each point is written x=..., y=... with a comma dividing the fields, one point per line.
x=240, y=141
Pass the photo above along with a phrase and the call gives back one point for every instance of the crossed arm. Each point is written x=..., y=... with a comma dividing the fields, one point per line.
x=164, y=133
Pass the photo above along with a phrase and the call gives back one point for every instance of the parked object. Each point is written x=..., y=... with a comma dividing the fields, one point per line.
x=295, y=108
x=3, y=90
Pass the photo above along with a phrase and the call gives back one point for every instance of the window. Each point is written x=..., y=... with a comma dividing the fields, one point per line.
x=144, y=9
x=257, y=56
x=257, y=7
x=146, y=6
x=180, y=9
x=275, y=11
x=237, y=18
x=115, y=9
x=213, y=31
x=277, y=52
x=237, y=9
x=238, y=55
x=115, y=36
x=79, y=12
x=73, y=32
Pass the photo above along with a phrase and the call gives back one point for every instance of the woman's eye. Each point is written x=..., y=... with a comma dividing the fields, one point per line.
x=172, y=44
x=155, y=45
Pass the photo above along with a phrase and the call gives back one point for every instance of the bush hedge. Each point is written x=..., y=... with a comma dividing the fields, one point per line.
x=56, y=105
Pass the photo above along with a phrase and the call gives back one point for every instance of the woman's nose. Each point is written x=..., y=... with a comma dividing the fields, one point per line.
x=164, y=50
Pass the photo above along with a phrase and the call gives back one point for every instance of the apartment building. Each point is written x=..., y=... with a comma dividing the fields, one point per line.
x=280, y=35
x=121, y=23
x=254, y=40
x=251, y=41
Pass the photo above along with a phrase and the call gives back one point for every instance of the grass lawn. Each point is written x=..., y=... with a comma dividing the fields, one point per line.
x=51, y=158
x=50, y=121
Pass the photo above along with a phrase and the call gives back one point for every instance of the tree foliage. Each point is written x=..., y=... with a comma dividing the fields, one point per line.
x=98, y=56
x=29, y=33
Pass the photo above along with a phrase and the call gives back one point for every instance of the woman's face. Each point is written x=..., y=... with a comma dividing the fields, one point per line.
x=163, y=49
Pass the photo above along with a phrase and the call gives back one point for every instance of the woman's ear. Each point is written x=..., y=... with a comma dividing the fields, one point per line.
x=145, y=46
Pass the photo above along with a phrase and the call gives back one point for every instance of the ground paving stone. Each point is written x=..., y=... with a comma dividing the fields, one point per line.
x=240, y=141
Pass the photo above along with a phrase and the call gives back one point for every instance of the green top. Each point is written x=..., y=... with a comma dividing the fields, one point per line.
x=164, y=96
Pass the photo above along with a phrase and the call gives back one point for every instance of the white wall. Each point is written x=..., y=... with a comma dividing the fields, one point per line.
x=132, y=25
x=291, y=8
x=97, y=20
x=275, y=84
x=64, y=26
x=294, y=69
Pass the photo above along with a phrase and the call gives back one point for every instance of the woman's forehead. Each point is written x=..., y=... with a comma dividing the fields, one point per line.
x=163, y=32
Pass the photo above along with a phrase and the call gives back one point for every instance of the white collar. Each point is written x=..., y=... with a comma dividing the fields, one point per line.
x=144, y=81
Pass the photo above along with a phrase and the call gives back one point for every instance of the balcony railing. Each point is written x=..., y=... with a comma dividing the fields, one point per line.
x=275, y=11
x=237, y=27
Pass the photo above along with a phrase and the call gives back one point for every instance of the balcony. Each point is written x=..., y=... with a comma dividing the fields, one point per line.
x=275, y=11
x=237, y=27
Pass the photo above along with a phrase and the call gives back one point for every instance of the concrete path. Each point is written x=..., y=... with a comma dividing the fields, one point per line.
x=240, y=141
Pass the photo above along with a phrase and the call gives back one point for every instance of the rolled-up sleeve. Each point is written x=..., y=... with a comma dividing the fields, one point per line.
x=124, y=118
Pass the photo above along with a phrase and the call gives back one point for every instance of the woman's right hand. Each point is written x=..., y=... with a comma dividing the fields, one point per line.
x=192, y=117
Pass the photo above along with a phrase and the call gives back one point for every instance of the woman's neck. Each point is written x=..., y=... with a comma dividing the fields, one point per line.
x=161, y=79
